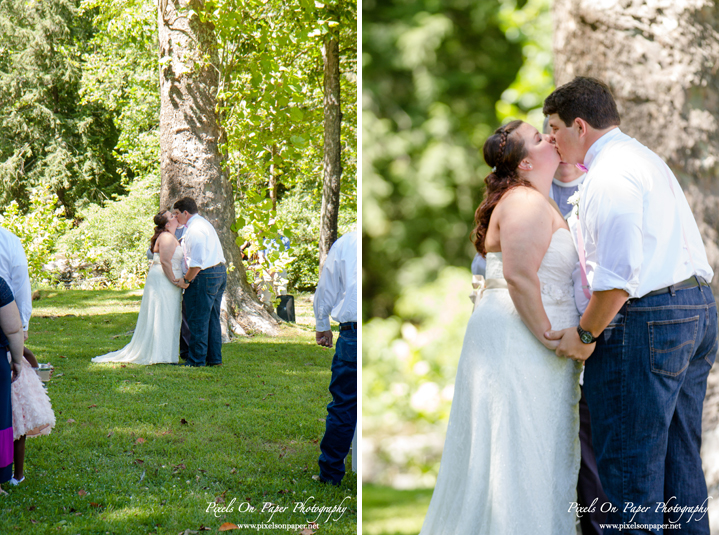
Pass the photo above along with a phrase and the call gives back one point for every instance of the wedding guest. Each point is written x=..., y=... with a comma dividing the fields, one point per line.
x=204, y=284
x=32, y=414
x=11, y=339
x=13, y=268
x=336, y=296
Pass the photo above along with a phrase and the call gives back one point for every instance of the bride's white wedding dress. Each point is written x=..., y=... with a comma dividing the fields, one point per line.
x=157, y=335
x=511, y=457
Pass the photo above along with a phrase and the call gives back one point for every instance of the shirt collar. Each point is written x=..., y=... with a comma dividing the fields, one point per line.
x=571, y=184
x=599, y=144
x=190, y=220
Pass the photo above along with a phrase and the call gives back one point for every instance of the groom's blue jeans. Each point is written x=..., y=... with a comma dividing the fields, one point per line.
x=342, y=410
x=202, y=304
x=645, y=385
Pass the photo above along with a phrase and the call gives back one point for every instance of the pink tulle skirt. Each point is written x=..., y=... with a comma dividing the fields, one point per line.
x=32, y=413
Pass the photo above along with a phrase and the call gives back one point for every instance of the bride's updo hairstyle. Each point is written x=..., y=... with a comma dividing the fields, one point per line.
x=503, y=151
x=161, y=220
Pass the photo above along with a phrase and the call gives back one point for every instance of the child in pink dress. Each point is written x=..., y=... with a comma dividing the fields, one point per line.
x=32, y=413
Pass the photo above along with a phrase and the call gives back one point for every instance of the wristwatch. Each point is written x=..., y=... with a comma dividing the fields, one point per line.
x=186, y=281
x=585, y=336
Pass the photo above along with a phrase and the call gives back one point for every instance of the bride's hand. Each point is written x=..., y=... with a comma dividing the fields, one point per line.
x=551, y=344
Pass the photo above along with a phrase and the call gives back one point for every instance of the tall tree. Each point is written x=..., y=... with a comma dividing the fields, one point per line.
x=50, y=136
x=332, y=146
x=660, y=60
x=190, y=134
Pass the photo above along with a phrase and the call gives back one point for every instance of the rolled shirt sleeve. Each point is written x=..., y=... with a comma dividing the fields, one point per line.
x=613, y=228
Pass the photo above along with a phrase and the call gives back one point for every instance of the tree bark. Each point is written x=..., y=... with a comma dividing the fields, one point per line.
x=332, y=148
x=190, y=160
x=661, y=60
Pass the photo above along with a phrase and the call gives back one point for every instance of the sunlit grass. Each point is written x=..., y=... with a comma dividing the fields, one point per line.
x=388, y=511
x=146, y=449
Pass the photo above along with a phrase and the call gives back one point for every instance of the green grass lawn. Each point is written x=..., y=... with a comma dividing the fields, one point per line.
x=148, y=449
x=388, y=511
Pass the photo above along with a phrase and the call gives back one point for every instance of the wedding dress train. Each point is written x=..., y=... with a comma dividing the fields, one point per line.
x=157, y=335
x=511, y=456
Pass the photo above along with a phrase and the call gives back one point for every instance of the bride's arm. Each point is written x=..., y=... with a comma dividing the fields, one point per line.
x=168, y=244
x=525, y=232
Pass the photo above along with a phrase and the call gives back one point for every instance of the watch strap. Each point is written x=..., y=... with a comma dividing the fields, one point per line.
x=585, y=335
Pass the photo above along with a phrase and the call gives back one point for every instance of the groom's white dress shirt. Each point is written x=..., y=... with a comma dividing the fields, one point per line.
x=13, y=268
x=201, y=245
x=633, y=225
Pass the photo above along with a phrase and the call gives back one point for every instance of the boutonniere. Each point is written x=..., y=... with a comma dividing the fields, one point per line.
x=575, y=198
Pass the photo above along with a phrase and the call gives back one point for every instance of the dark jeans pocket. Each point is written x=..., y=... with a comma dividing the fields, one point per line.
x=213, y=284
x=347, y=349
x=671, y=344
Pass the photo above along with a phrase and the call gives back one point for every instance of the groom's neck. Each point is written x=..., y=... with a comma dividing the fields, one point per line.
x=593, y=134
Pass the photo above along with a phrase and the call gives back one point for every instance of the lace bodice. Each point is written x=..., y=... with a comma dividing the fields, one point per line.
x=176, y=261
x=555, y=277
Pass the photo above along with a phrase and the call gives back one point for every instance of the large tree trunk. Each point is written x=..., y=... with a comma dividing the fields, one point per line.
x=190, y=162
x=661, y=60
x=332, y=162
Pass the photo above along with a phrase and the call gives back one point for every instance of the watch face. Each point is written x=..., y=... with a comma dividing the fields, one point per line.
x=586, y=337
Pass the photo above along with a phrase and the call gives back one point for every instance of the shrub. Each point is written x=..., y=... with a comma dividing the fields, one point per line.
x=114, y=238
x=39, y=229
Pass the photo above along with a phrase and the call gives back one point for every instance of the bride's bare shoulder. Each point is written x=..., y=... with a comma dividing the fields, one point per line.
x=522, y=197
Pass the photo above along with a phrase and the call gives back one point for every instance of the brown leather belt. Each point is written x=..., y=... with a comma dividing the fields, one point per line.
x=691, y=282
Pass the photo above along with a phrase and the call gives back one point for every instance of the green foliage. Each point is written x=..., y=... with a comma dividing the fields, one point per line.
x=145, y=449
x=39, y=230
x=113, y=239
x=432, y=72
x=301, y=209
x=409, y=362
x=272, y=92
x=120, y=72
x=50, y=136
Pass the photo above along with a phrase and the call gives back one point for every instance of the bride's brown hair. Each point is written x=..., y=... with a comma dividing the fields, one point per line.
x=503, y=151
x=160, y=220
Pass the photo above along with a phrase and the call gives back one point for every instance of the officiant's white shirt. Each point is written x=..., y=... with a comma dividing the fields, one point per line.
x=632, y=224
x=201, y=244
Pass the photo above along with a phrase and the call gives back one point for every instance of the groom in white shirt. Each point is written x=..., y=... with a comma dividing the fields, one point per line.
x=648, y=335
x=204, y=284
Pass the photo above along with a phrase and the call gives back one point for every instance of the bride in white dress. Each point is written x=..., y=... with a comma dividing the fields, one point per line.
x=157, y=335
x=511, y=457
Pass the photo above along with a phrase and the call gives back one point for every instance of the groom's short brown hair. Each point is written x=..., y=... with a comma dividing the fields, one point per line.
x=584, y=97
x=186, y=204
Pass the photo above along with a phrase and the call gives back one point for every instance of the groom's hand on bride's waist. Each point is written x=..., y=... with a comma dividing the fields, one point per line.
x=570, y=346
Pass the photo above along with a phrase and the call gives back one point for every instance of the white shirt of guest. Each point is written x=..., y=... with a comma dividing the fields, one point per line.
x=336, y=293
x=201, y=245
x=633, y=225
x=13, y=268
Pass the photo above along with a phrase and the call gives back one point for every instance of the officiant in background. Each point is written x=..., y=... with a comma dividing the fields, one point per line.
x=438, y=78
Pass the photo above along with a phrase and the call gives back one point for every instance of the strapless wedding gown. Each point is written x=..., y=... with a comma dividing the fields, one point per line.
x=511, y=457
x=157, y=334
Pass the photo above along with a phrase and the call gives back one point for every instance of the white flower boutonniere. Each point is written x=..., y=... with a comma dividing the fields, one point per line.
x=574, y=201
x=575, y=198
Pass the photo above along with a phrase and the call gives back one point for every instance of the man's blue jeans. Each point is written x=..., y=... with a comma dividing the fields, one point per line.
x=342, y=410
x=202, y=304
x=645, y=385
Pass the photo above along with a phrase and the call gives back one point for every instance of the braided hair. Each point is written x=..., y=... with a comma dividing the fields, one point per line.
x=504, y=152
x=160, y=220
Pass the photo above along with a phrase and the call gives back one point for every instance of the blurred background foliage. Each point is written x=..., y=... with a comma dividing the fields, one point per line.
x=79, y=113
x=439, y=76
